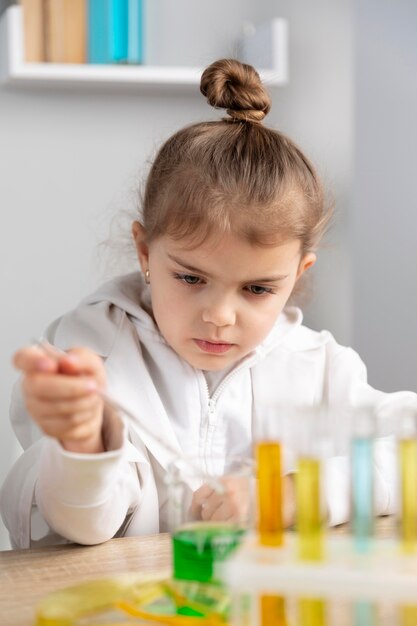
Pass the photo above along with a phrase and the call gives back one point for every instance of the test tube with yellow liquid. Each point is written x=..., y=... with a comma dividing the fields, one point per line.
x=312, y=423
x=407, y=452
x=313, y=427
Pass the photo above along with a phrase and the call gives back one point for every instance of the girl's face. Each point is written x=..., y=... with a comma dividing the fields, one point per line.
x=214, y=304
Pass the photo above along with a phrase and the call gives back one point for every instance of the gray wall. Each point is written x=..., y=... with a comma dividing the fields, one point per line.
x=384, y=211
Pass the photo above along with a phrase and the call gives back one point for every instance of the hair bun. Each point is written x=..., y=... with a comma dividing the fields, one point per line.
x=234, y=86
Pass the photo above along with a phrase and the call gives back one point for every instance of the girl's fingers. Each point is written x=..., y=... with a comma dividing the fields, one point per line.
x=62, y=408
x=199, y=497
x=33, y=359
x=57, y=387
x=210, y=506
x=82, y=361
x=77, y=428
x=225, y=513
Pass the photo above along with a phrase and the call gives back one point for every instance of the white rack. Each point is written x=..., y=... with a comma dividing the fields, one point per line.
x=271, y=41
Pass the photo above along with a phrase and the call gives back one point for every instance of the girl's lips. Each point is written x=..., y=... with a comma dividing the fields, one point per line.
x=214, y=348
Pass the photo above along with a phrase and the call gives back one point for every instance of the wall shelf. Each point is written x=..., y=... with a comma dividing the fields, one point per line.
x=15, y=71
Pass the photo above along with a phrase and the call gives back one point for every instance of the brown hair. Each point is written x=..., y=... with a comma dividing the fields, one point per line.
x=235, y=174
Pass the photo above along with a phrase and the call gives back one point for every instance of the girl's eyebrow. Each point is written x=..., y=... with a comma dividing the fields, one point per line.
x=196, y=270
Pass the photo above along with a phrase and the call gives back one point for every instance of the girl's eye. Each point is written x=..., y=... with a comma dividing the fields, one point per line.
x=188, y=278
x=257, y=290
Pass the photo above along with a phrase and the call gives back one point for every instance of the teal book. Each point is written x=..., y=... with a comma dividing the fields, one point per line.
x=98, y=31
x=135, y=32
x=118, y=31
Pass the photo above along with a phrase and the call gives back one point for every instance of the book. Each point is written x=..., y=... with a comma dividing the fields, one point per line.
x=54, y=31
x=33, y=30
x=75, y=31
x=65, y=27
x=118, y=31
x=98, y=31
x=135, y=48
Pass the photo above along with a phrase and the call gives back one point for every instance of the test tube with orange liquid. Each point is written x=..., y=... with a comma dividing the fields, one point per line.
x=270, y=521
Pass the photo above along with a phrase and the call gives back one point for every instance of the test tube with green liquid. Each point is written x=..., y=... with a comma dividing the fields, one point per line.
x=362, y=478
x=408, y=479
x=314, y=437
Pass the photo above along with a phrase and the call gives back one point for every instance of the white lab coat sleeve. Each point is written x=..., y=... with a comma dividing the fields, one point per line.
x=86, y=497
x=347, y=387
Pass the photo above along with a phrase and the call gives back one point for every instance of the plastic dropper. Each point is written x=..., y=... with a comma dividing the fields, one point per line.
x=56, y=354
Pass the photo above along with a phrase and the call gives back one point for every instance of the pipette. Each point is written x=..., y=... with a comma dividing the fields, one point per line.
x=57, y=354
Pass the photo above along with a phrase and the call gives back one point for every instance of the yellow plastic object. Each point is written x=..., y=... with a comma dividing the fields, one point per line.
x=129, y=600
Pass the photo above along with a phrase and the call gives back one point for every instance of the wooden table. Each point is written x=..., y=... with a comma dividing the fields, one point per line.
x=26, y=576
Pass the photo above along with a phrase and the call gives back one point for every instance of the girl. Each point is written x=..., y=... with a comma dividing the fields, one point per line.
x=198, y=343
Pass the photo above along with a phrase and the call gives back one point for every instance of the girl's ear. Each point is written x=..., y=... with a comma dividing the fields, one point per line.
x=142, y=249
x=306, y=262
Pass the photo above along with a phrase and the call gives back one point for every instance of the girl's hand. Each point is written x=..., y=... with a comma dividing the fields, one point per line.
x=234, y=504
x=231, y=506
x=60, y=395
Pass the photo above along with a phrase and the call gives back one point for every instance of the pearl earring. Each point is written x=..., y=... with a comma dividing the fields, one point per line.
x=147, y=277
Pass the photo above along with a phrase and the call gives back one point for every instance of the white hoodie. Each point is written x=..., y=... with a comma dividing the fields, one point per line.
x=52, y=495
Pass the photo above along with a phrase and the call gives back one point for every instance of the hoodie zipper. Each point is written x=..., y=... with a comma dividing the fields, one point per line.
x=211, y=421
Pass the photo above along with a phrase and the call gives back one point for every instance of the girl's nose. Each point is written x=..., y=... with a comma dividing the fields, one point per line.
x=220, y=313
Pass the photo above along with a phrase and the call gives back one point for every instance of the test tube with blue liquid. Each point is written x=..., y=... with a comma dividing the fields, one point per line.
x=362, y=478
x=363, y=433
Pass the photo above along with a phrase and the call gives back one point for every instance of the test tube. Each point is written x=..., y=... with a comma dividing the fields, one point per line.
x=311, y=612
x=270, y=518
x=364, y=613
x=362, y=478
x=313, y=424
x=408, y=479
x=269, y=459
x=273, y=611
x=408, y=615
x=270, y=504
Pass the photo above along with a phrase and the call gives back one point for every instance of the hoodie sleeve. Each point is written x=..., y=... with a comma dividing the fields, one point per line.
x=347, y=386
x=86, y=497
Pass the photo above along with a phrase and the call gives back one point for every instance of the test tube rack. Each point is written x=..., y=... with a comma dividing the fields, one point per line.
x=352, y=579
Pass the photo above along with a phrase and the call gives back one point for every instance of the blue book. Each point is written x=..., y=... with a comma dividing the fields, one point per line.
x=118, y=30
x=98, y=31
x=135, y=31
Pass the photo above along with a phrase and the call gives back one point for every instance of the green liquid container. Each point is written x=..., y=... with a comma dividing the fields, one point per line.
x=198, y=547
